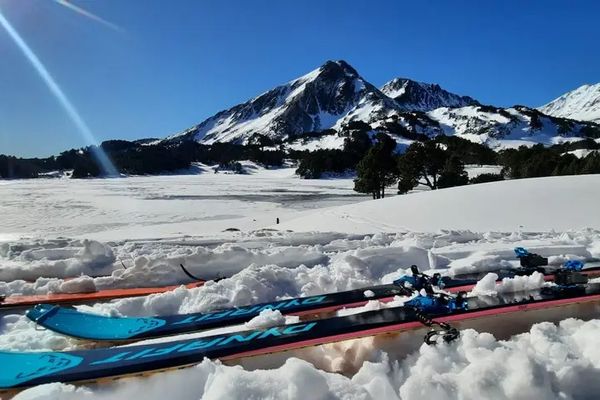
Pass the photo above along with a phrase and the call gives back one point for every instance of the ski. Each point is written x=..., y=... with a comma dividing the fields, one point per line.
x=71, y=322
x=23, y=369
x=22, y=301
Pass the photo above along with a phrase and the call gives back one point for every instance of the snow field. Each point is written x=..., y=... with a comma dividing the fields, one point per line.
x=487, y=222
x=559, y=203
x=149, y=207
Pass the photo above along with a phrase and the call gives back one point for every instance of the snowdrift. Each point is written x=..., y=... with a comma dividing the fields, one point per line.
x=539, y=204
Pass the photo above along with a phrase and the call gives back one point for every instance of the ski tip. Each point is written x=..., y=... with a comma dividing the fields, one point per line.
x=19, y=369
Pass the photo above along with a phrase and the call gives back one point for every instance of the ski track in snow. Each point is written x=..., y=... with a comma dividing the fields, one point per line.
x=263, y=265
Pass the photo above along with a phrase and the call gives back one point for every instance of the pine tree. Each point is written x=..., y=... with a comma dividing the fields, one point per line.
x=429, y=164
x=378, y=168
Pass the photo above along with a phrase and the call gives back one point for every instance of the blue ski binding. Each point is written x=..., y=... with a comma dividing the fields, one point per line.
x=418, y=281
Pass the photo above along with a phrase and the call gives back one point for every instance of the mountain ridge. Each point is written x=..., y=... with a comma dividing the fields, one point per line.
x=420, y=96
x=335, y=94
x=328, y=97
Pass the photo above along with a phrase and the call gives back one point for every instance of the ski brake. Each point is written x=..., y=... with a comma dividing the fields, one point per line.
x=437, y=303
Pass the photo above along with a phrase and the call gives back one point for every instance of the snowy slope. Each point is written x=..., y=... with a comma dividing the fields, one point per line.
x=506, y=127
x=581, y=104
x=541, y=204
x=419, y=96
x=313, y=102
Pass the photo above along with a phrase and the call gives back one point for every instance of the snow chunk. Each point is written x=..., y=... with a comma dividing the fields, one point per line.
x=266, y=319
x=487, y=286
x=82, y=284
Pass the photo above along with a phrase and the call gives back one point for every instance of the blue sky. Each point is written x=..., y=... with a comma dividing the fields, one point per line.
x=178, y=61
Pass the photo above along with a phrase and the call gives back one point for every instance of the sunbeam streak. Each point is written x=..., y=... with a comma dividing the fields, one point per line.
x=88, y=14
x=105, y=163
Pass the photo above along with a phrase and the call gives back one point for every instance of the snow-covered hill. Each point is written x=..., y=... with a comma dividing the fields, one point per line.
x=419, y=96
x=581, y=104
x=540, y=204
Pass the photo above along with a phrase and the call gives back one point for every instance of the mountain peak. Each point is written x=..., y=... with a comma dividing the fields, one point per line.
x=337, y=69
x=419, y=96
x=581, y=104
x=313, y=102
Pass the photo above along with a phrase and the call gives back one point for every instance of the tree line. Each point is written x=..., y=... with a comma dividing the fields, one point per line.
x=139, y=158
x=440, y=163
x=378, y=161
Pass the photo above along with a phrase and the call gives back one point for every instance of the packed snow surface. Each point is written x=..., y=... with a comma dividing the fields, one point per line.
x=359, y=245
x=542, y=204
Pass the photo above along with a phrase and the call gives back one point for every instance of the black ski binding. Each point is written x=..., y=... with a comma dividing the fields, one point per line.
x=418, y=281
x=530, y=262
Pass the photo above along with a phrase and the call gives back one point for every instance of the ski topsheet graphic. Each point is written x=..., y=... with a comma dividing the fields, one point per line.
x=96, y=327
x=27, y=369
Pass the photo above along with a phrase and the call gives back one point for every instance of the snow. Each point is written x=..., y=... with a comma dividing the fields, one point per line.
x=294, y=102
x=230, y=125
x=541, y=204
x=322, y=142
x=269, y=318
x=487, y=286
x=474, y=170
x=59, y=258
x=105, y=224
x=549, y=361
x=582, y=153
x=162, y=206
x=500, y=129
x=582, y=104
x=395, y=88
x=423, y=96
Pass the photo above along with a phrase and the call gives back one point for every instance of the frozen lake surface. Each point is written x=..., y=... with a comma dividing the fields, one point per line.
x=162, y=206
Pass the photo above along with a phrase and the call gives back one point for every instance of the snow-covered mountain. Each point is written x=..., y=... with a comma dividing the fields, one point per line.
x=328, y=97
x=419, y=96
x=313, y=102
x=582, y=104
x=335, y=94
x=507, y=127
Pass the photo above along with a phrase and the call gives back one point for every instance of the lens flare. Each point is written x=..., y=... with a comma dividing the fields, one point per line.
x=106, y=165
x=88, y=14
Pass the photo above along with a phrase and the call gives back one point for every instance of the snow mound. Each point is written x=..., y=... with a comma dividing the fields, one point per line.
x=60, y=258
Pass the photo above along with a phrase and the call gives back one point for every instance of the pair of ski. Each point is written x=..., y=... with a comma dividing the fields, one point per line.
x=70, y=322
x=27, y=369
